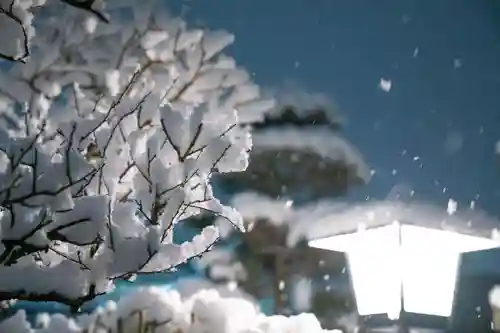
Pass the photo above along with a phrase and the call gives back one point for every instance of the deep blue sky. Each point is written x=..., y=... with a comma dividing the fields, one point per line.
x=343, y=48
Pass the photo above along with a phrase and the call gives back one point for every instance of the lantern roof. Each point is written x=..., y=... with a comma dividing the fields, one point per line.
x=350, y=218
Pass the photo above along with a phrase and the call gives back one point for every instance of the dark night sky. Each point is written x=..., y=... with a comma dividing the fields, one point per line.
x=446, y=96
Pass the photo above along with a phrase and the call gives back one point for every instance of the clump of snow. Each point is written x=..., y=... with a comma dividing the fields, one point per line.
x=321, y=141
x=252, y=205
x=17, y=30
x=164, y=311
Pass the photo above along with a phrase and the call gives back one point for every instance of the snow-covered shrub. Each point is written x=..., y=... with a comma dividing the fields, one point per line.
x=109, y=137
x=158, y=310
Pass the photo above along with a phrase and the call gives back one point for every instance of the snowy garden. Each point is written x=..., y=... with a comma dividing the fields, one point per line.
x=132, y=148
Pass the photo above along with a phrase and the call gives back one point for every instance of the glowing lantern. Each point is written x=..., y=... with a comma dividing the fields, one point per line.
x=399, y=267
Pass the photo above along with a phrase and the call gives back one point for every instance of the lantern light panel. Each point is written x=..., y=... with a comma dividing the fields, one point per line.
x=404, y=265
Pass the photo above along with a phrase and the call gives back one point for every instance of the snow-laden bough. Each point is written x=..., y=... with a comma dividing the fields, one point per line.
x=109, y=138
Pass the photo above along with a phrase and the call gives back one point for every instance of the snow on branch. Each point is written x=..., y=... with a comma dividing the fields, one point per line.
x=17, y=31
x=109, y=137
x=18, y=28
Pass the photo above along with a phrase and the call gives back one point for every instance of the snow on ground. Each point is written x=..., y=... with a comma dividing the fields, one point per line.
x=204, y=312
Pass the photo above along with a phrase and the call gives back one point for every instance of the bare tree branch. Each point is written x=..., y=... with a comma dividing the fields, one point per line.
x=86, y=5
x=9, y=13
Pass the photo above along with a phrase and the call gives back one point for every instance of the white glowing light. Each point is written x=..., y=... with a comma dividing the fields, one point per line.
x=404, y=262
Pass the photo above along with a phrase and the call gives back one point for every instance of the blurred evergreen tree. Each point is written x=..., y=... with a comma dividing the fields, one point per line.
x=303, y=176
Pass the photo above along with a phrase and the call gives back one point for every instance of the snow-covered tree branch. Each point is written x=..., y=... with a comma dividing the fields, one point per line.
x=16, y=23
x=109, y=137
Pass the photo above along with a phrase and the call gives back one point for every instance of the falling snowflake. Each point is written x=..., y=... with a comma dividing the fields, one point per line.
x=406, y=18
x=385, y=85
x=452, y=207
x=415, y=52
